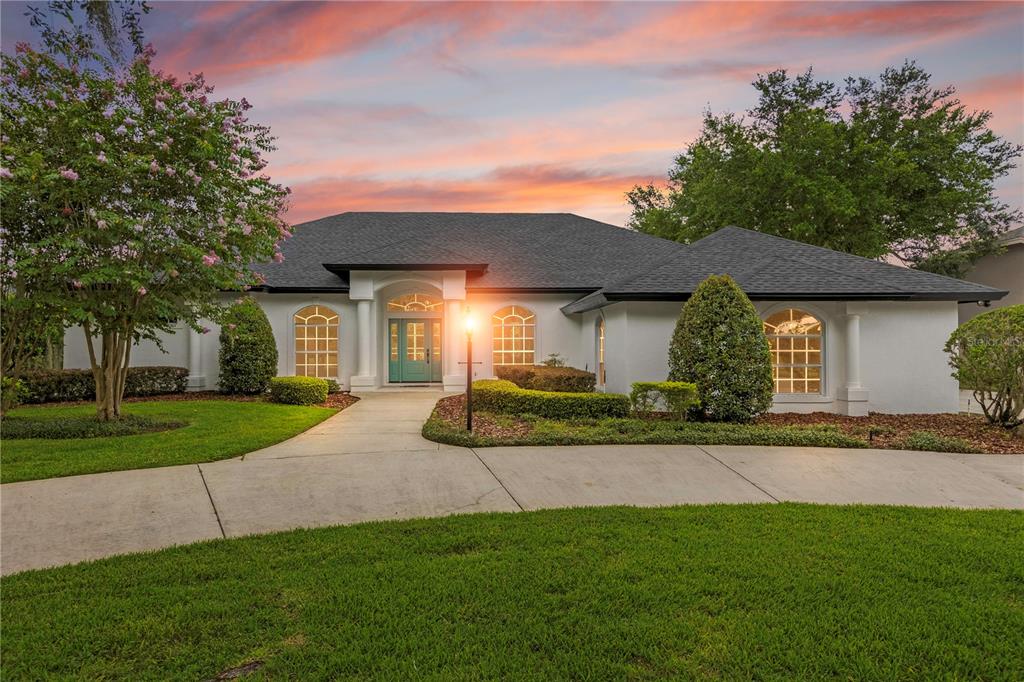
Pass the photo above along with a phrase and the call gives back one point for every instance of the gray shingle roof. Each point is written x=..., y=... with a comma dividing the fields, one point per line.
x=557, y=251
x=566, y=252
x=769, y=267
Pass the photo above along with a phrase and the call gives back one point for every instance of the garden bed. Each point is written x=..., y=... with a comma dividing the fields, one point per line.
x=888, y=430
x=338, y=401
x=945, y=432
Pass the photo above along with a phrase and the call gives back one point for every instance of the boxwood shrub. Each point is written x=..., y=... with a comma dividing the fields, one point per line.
x=298, y=390
x=66, y=385
x=719, y=344
x=499, y=395
x=676, y=397
x=248, y=353
x=549, y=378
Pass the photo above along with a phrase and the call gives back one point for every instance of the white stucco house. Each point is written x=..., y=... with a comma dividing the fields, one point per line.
x=376, y=300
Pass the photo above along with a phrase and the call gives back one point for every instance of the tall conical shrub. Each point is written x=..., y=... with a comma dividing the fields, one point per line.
x=719, y=344
x=248, y=354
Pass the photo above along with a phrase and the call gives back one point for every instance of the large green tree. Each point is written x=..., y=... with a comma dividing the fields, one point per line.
x=888, y=168
x=129, y=197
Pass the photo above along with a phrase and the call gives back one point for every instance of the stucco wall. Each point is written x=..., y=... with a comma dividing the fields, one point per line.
x=903, y=366
x=1002, y=271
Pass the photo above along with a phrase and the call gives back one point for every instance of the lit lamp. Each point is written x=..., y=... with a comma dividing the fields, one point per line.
x=469, y=323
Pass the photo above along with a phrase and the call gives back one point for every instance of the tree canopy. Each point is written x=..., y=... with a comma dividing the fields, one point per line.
x=889, y=168
x=130, y=197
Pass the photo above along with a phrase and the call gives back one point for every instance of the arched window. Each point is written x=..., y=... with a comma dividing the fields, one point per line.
x=513, y=336
x=316, y=342
x=415, y=303
x=600, y=351
x=794, y=337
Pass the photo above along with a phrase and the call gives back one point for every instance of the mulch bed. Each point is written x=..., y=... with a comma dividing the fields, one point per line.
x=885, y=430
x=336, y=400
x=453, y=411
x=881, y=430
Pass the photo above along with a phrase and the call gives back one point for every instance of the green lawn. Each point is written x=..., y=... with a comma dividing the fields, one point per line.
x=715, y=592
x=217, y=429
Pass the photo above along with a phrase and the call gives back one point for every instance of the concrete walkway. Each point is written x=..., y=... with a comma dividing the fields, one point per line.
x=370, y=463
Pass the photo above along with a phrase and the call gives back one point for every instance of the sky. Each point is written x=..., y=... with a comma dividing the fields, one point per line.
x=543, y=106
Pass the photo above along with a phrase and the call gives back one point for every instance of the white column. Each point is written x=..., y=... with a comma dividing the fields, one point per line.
x=196, y=379
x=454, y=340
x=852, y=351
x=853, y=397
x=365, y=336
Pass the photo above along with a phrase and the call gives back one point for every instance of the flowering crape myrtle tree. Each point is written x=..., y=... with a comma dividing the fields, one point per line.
x=129, y=198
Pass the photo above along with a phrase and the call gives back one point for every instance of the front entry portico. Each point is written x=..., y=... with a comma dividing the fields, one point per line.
x=414, y=350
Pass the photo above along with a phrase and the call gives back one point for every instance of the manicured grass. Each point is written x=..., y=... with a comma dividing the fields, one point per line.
x=217, y=429
x=720, y=592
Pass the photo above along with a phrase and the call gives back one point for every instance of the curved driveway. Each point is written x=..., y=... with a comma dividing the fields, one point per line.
x=370, y=463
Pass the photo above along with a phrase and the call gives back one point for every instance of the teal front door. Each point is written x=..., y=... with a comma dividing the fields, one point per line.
x=414, y=350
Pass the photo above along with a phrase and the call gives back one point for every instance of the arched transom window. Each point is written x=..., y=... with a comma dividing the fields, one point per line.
x=415, y=303
x=794, y=337
x=513, y=336
x=316, y=342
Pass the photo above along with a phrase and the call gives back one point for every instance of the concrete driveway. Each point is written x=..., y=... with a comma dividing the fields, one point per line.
x=370, y=463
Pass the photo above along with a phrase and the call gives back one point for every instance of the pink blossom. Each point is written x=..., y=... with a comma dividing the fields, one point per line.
x=169, y=171
x=213, y=164
x=68, y=174
x=221, y=222
x=76, y=283
x=99, y=138
x=108, y=113
x=50, y=103
x=204, y=330
x=278, y=257
x=160, y=106
x=210, y=259
x=154, y=167
x=142, y=291
x=149, y=51
x=196, y=179
x=102, y=224
x=6, y=173
x=101, y=157
x=21, y=47
x=120, y=130
x=129, y=121
x=232, y=326
x=246, y=230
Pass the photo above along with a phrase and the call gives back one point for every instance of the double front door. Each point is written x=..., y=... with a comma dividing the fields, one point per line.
x=414, y=350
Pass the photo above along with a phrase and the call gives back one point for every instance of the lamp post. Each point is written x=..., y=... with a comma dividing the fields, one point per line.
x=469, y=324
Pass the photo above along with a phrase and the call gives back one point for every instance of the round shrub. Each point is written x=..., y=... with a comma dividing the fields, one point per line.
x=987, y=356
x=719, y=344
x=298, y=390
x=248, y=354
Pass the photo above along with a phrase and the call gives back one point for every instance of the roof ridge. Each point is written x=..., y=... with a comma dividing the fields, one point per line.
x=844, y=253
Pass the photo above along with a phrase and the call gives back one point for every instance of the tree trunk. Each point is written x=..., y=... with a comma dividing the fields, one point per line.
x=109, y=370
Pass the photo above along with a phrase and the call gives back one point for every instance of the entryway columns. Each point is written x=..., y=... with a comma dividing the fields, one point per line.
x=361, y=290
x=454, y=292
x=853, y=397
x=196, y=380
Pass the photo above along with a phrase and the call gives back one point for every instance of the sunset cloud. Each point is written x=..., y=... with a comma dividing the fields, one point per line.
x=544, y=106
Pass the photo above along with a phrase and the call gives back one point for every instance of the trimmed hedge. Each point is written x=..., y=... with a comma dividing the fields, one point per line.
x=65, y=428
x=676, y=396
x=935, y=442
x=499, y=395
x=68, y=385
x=549, y=378
x=298, y=390
x=248, y=354
x=719, y=344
